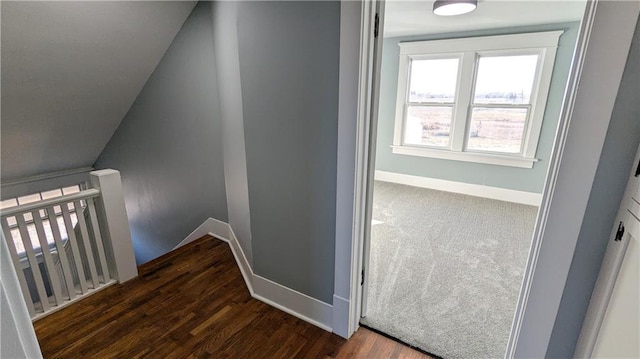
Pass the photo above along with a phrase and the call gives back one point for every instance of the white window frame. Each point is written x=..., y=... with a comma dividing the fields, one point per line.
x=469, y=50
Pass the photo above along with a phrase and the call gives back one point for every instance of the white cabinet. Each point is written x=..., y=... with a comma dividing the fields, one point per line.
x=619, y=335
x=611, y=328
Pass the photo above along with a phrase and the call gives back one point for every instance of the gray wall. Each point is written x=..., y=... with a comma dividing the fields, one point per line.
x=616, y=161
x=289, y=65
x=530, y=180
x=168, y=147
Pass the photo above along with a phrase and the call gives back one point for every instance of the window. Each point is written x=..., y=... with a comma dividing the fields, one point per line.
x=28, y=217
x=476, y=99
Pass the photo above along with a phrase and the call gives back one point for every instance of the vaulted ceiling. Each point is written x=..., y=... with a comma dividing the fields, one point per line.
x=70, y=72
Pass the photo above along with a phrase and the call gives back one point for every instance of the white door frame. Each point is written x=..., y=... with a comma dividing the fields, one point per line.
x=377, y=9
x=602, y=48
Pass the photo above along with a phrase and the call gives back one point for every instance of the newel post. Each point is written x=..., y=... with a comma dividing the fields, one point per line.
x=112, y=216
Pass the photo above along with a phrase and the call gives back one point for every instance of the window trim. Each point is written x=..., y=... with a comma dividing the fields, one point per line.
x=469, y=50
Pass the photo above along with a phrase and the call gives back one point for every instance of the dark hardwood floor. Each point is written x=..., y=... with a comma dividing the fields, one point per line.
x=194, y=303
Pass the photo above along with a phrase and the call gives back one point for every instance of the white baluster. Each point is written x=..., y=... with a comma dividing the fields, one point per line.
x=71, y=235
x=54, y=280
x=98, y=237
x=33, y=262
x=87, y=244
x=62, y=254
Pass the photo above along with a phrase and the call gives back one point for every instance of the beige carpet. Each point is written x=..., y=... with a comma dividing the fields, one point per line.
x=446, y=269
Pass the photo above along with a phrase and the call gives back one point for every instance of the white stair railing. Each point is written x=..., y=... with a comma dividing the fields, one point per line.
x=64, y=248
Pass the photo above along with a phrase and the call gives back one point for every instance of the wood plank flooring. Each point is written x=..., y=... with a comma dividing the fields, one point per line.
x=194, y=303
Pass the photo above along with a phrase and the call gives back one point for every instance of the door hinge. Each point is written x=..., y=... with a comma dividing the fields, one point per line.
x=620, y=232
x=376, y=26
x=362, y=277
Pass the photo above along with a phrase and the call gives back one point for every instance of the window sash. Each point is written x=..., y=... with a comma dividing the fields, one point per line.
x=400, y=128
x=505, y=53
x=498, y=106
x=423, y=104
x=449, y=56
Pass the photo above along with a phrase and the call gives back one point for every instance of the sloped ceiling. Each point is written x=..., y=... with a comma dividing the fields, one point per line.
x=70, y=72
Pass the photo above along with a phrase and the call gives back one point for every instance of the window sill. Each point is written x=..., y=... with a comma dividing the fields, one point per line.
x=486, y=158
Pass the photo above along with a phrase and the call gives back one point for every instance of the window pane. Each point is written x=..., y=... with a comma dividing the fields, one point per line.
x=48, y=231
x=51, y=194
x=428, y=125
x=505, y=79
x=497, y=129
x=33, y=234
x=8, y=203
x=72, y=189
x=63, y=228
x=29, y=199
x=17, y=240
x=433, y=80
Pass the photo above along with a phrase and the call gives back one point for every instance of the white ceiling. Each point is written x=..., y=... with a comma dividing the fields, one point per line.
x=404, y=18
x=70, y=72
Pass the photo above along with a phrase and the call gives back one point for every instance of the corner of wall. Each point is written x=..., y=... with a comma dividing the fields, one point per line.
x=274, y=294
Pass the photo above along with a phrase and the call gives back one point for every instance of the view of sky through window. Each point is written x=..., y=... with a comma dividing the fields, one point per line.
x=505, y=79
x=433, y=80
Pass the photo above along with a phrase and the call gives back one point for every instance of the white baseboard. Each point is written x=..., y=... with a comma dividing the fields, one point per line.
x=293, y=302
x=241, y=260
x=210, y=226
x=340, y=312
x=501, y=194
x=274, y=294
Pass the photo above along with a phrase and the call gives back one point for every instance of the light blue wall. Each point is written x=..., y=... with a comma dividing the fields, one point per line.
x=616, y=162
x=289, y=66
x=168, y=147
x=529, y=180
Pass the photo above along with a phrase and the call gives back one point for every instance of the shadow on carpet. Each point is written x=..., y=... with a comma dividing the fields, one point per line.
x=446, y=269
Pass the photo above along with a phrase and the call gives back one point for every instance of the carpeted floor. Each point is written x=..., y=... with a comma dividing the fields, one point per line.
x=446, y=269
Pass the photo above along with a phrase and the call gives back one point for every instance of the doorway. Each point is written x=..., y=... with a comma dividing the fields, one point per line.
x=459, y=170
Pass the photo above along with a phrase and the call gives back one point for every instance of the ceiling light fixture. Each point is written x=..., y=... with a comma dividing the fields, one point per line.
x=454, y=7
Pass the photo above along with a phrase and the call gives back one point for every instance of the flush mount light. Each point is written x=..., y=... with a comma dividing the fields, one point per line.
x=454, y=7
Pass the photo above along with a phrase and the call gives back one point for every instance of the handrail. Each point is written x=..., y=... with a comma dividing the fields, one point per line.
x=28, y=207
x=46, y=176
